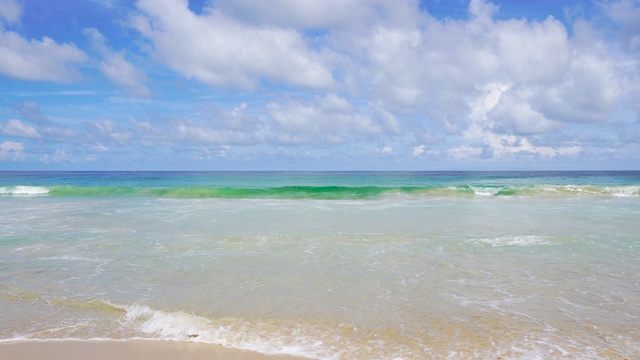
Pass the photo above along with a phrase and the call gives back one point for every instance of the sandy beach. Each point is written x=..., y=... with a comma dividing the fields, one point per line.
x=135, y=350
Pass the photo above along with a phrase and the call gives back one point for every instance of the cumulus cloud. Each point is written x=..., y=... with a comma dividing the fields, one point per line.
x=193, y=132
x=330, y=75
x=511, y=146
x=10, y=11
x=318, y=14
x=59, y=155
x=502, y=126
x=11, y=150
x=442, y=63
x=627, y=14
x=35, y=60
x=328, y=118
x=442, y=67
x=236, y=119
x=30, y=111
x=588, y=92
x=464, y=152
x=216, y=49
x=108, y=131
x=514, y=115
x=116, y=68
x=218, y=152
x=215, y=126
x=481, y=77
x=17, y=128
x=35, y=125
x=418, y=150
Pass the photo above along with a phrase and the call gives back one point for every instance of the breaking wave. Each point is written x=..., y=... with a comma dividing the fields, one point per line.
x=325, y=192
x=23, y=190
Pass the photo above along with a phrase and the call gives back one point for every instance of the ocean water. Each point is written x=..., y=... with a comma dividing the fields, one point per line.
x=435, y=265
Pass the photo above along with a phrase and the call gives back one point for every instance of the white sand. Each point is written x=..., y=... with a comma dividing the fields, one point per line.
x=134, y=350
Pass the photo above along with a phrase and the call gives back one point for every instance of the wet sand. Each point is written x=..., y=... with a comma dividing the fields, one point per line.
x=134, y=350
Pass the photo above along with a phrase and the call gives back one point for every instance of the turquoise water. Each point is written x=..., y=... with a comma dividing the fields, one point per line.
x=322, y=185
x=328, y=265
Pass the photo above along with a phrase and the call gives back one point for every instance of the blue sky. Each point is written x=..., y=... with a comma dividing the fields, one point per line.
x=319, y=85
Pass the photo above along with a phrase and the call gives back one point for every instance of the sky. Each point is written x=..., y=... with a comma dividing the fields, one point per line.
x=319, y=85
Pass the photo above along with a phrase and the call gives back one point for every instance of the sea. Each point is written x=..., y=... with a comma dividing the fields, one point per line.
x=327, y=265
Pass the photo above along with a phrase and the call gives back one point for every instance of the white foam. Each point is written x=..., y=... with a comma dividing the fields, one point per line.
x=16, y=338
x=233, y=333
x=23, y=190
x=485, y=191
x=624, y=191
x=174, y=326
x=515, y=240
x=69, y=258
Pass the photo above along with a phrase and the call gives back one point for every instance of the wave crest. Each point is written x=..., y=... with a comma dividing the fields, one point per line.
x=329, y=192
x=23, y=190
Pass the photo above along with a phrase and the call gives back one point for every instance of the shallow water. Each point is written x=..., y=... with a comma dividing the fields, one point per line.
x=395, y=274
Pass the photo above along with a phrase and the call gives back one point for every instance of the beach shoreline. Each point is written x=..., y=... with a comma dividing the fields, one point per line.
x=513, y=265
x=128, y=349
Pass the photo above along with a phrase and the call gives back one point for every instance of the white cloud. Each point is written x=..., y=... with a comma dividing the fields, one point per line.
x=440, y=67
x=10, y=11
x=218, y=152
x=62, y=93
x=58, y=133
x=192, y=132
x=35, y=60
x=355, y=15
x=627, y=14
x=514, y=115
x=464, y=152
x=59, y=155
x=488, y=79
x=99, y=148
x=328, y=118
x=588, y=92
x=17, y=128
x=473, y=76
x=510, y=145
x=116, y=68
x=36, y=125
x=11, y=150
x=108, y=131
x=331, y=75
x=237, y=119
x=215, y=126
x=124, y=74
x=386, y=119
x=30, y=111
x=106, y=3
x=502, y=128
x=219, y=50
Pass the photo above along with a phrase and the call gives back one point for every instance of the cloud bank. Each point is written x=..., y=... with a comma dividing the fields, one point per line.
x=361, y=79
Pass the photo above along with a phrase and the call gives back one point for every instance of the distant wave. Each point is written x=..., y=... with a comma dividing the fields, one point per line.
x=325, y=192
